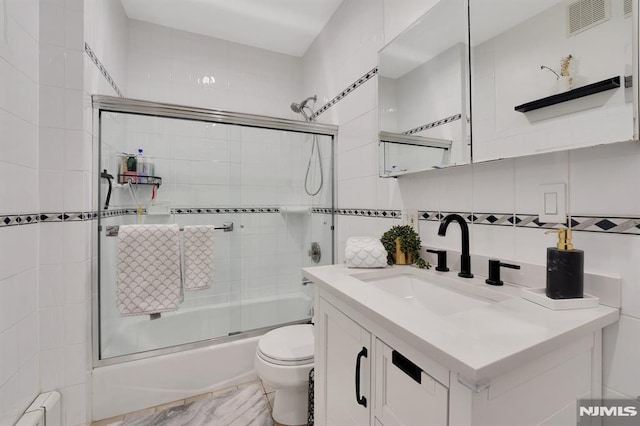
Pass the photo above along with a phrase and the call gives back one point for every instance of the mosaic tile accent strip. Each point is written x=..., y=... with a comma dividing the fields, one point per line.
x=206, y=210
x=429, y=215
x=19, y=219
x=388, y=214
x=321, y=210
x=353, y=86
x=610, y=225
x=51, y=217
x=102, y=69
x=223, y=210
x=492, y=219
x=434, y=124
x=613, y=225
x=468, y=217
x=119, y=212
x=533, y=221
x=31, y=218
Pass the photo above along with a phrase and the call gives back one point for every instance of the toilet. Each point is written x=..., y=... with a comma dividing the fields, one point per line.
x=283, y=360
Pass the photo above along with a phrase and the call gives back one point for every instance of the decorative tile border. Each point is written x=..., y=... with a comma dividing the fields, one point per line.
x=19, y=219
x=102, y=69
x=609, y=225
x=210, y=210
x=533, y=221
x=492, y=219
x=223, y=210
x=429, y=215
x=387, y=214
x=321, y=210
x=612, y=225
x=119, y=212
x=31, y=218
x=433, y=124
x=353, y=86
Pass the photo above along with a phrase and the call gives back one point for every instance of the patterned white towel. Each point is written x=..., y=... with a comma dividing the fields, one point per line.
x=198, y=257
x=148, y=269
x=365, y=252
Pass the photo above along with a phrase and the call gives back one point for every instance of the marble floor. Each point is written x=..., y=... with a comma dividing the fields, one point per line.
x=114, y=421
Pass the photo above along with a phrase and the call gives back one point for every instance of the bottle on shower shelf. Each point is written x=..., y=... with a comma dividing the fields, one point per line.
x=141, y=167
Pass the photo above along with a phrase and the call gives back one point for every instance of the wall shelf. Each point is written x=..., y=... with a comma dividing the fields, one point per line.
x=589, y=89
x=140, y=179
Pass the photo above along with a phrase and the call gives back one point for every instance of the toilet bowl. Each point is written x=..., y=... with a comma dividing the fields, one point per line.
x=283, y=360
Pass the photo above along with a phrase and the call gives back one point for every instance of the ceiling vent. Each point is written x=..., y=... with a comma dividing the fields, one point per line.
x=585, y=14
x=628, y=7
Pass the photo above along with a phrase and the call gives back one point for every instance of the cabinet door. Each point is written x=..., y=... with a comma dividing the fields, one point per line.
x=343, y=369
x=406, y=395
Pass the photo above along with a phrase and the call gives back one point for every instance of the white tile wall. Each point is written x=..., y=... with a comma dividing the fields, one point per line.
x=19, y=58
x=42, y=57
x=63, y=324
x=601, y=181
x=493, y=187
x=608, y=180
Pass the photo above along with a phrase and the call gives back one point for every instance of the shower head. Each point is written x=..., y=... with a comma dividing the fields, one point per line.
x=299, y=108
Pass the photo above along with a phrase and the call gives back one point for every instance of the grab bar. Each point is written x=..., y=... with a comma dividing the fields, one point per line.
x=112, y=231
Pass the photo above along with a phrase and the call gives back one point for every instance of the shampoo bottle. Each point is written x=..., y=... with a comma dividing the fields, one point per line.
x=565, y=268
x=141, y=167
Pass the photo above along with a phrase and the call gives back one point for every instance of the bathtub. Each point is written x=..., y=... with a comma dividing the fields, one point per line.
x=199, y=368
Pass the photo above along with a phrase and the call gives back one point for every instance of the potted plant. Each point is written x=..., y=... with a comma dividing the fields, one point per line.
x=403, y=246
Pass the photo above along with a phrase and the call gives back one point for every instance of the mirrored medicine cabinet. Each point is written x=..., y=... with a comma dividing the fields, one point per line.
x=423, y=79
x=539, y=76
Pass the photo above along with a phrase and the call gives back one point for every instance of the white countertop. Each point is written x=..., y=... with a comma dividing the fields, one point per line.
x=480, y=343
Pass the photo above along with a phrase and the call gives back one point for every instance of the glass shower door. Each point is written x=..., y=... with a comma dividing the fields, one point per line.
x=269, y=193
x=191, y=186
x=282, y=222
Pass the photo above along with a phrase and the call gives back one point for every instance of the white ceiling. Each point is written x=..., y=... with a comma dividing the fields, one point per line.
x=285, y=26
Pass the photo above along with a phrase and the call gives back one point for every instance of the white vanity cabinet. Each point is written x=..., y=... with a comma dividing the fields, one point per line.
x=343, y=360
x=360, y=380
x=380, y=362
x=404, y=393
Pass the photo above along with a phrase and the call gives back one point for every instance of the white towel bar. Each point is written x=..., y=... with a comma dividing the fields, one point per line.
x=112, y=231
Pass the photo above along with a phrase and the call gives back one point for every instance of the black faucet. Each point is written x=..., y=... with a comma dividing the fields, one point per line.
x=465, y=259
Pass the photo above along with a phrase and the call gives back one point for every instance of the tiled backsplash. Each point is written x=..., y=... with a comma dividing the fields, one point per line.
x=609, y=225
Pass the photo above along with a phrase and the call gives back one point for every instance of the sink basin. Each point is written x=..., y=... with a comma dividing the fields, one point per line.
x=440, y=299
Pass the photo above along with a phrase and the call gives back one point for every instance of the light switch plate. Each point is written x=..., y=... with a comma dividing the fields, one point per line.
x=553, y=200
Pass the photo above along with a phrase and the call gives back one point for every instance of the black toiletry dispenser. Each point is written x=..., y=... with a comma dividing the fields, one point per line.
x=565, y=268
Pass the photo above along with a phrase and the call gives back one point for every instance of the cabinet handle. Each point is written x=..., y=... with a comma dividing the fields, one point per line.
x=361, y=399
x=408, y=367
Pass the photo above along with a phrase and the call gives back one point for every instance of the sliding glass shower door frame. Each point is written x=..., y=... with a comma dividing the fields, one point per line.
x=111, y=104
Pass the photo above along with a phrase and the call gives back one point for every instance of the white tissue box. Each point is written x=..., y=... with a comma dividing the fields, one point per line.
x=365, y=252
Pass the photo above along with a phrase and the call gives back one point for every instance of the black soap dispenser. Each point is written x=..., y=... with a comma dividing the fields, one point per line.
x=565, y=268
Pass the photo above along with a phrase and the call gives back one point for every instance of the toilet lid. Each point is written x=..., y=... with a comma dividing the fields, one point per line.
x=293, y=343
